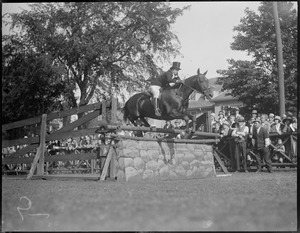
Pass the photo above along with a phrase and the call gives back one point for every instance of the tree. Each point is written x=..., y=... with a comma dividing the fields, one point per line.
x=251, y=85
x=101, y=44
x=30, y=83
x=256, y=82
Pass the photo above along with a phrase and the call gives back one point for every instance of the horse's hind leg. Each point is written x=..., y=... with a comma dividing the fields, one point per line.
x=132, y=120
x=145, y=122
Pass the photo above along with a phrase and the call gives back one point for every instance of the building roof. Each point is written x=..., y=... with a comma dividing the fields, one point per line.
x=200, y=103
x=223, y=96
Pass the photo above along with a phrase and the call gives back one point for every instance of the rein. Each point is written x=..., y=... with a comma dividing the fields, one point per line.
x=190, y=88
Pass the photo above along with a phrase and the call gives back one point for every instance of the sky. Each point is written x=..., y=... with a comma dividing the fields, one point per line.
x=205, y=33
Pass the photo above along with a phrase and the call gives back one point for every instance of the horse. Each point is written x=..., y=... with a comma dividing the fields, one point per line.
x=173, y=101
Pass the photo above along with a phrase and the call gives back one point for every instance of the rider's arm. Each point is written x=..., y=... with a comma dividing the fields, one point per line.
x=169, y=77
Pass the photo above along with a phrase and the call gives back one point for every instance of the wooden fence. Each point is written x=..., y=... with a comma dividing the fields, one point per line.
x=229, y=151
x=97, y=159
x=33, y=149
x=100, y=159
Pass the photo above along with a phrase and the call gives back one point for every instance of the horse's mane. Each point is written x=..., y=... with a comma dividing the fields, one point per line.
x=189, y=79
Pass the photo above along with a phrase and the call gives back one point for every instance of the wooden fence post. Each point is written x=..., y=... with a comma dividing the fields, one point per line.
x=294, y=146
x=41, y=161
x=194, y=123
x=224, y=169
x=39, y=156
x=208, y=121
x=103, y=106
x=113, y=110
x=112, y=164
x=106, y=164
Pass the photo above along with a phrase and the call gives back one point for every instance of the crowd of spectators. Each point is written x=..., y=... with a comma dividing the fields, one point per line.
x=242, y=131
x=76, y=145
x=274, y=124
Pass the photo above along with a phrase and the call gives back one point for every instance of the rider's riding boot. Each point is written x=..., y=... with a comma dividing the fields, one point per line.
x=157, y=110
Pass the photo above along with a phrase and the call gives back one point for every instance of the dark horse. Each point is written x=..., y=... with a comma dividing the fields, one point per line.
x=173, y=101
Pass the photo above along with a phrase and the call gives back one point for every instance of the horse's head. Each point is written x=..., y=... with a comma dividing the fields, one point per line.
x=202, y=84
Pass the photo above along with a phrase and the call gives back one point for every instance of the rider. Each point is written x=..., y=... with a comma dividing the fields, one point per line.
x=165, y=80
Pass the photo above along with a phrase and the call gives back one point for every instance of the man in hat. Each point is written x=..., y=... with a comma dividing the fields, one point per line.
x=232, y=122
x=241, y=132
x=261, y=142
x=225, y=130
x=165, y=80
x=251, y=126
x=168, y=125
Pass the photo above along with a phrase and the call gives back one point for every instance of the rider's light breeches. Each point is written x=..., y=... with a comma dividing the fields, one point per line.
x=155, y=90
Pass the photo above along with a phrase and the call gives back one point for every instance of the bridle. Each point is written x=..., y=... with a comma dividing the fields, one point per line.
x=183, y=83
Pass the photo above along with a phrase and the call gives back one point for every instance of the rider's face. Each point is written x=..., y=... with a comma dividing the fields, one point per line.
x=174, y=71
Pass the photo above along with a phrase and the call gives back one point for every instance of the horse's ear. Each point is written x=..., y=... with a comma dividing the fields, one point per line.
x=205, y=73
x=198, y=71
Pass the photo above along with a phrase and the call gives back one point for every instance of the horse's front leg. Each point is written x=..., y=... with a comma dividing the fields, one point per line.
x=145, y=122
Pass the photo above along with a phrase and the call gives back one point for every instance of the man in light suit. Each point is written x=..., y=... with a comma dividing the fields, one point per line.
x=261, y=142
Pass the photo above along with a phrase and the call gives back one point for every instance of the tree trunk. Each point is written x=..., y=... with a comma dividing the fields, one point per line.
x=279, y=61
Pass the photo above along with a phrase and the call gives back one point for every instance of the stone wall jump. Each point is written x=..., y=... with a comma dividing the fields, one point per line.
x=145, y=160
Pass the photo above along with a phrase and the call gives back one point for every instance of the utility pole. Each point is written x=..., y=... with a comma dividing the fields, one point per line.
x=279, y=61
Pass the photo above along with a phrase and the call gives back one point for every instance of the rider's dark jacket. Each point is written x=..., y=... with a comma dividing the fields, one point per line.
x=164, y=79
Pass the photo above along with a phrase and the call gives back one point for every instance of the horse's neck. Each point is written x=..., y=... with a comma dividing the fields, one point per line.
x=186, y=90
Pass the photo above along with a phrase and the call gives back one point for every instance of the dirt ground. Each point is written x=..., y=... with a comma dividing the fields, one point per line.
x=241, y=202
